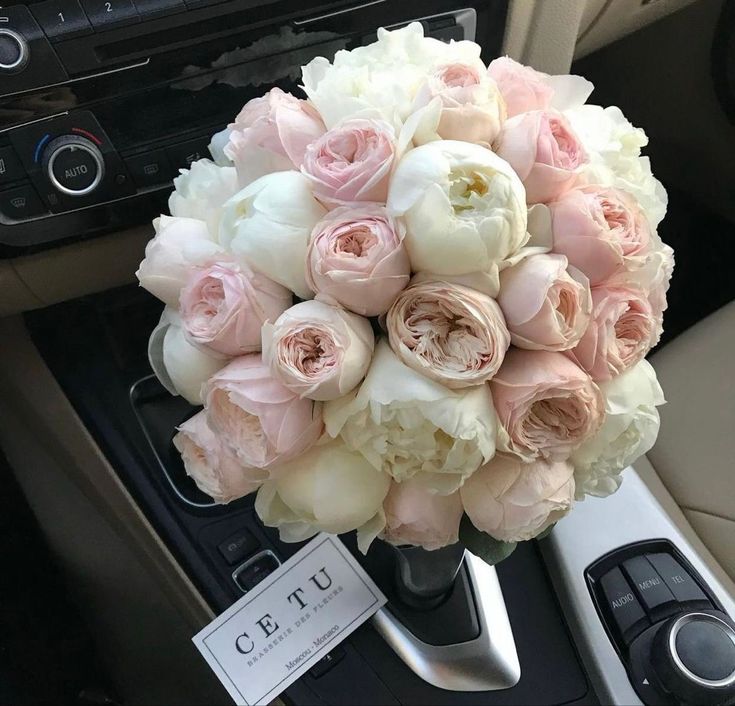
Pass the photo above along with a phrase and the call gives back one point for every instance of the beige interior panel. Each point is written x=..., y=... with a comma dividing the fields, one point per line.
x=718, y=534
x=141, y=607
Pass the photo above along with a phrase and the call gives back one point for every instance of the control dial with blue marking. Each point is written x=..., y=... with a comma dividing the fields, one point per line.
x=74, y=165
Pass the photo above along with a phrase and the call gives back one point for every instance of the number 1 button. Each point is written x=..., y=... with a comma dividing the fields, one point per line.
x=106, y=14
x=61, y=19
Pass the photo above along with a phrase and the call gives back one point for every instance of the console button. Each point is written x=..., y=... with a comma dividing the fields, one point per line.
x=254, y=571
x=106, y=14
x=152, y=8
x=21, y=203
x=74, y=165
x=326, y=663
x=651, y=589
x=13, y=51
x=10, y=167
x=238, y=546
x=679, y=582
x=61, y=19
x=150, y=168
x=183, y=154
x=627, y=614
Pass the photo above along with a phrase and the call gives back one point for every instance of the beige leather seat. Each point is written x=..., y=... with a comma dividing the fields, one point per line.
x=694, y=456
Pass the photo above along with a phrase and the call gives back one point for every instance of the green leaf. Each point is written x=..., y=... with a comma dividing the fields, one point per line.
x=491, y=551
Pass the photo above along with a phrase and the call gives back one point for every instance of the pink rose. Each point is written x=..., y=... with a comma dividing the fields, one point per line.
x=546, y=403
x=263, y=422
x=524, y=89
x=213, y=466
x=447, y=332
x=544, y=151
x=271, y=134
x=317, y=350
x=415, y=516
x=622, y=330
x=352, y=162
x=471, y=106
x=223, y=307
x=356, y=256
x=601, y=230
x=514, y=501
x=546, y=304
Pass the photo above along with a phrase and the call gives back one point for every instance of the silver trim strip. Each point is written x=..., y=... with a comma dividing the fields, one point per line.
x=594, y=528
x=688, y=673
x=487, y=663
x=22, y=50
x=343, y=11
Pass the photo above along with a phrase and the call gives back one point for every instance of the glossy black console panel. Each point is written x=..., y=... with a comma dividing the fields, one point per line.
x=96, y=348
x=157, y=83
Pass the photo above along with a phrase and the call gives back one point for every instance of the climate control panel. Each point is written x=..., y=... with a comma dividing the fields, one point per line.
x=672, y=634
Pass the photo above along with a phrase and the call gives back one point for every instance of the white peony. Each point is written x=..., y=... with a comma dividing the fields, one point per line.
x=629, y=431
x=217, y=147
x=181, y=367
x=410, y=426
x=201, y=190
x=179, y=245
x=327, y=489
x=613, y=146
x=464, y=208
x=382, y=79
x=268, y=225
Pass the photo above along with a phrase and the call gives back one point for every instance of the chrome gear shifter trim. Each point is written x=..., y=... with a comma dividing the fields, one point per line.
x=487, y=663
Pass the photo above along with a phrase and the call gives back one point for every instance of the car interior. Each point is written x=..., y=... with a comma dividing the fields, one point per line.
x=112, y=559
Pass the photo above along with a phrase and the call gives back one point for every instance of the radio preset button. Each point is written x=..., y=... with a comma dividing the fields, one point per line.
x=74, y=165
x=155, y=8
x=61, y=19
x=106, y=14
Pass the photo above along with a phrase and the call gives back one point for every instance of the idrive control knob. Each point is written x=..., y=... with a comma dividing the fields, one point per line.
x=74, y=165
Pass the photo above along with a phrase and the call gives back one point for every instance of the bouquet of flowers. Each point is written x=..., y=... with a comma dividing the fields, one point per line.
x=417, y=303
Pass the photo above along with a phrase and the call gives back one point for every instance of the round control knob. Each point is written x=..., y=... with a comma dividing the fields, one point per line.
x=74, y=165
x=694, y=657
x=14, y=51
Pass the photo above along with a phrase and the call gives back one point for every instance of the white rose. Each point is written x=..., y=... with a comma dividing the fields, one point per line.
x=181, y=367
x=613, y=146
x=268, y=224
x=317, y=350
x=383, y=78
x=464, y=207
x=201, y=190
x=629, y=431
x=327, y=489
x=179, y=245
x=410, y=426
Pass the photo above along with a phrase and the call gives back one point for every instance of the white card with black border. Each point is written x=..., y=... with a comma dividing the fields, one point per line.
x=281, y=628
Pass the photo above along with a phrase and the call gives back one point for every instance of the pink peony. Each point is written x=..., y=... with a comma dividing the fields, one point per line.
x=546, y=304
x=263, y=422
x=416, y=516
x=352, y=162
x=546, y=403
x=601, y=230
x=271, y=134
x=514, y=501
x=213, y=466
x=524, y=89
x=622, y=330
x=224, y=306
x=356, y=256
x=544, y=151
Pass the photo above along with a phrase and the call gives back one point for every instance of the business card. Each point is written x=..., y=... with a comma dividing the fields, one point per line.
x=279, y=630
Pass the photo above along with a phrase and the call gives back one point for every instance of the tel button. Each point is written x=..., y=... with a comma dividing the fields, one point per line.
x=680, y=583
x=627, y=614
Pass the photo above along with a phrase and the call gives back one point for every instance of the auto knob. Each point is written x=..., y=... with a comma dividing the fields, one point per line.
x=14, y=51
x=693, y=656
x=74, y=165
